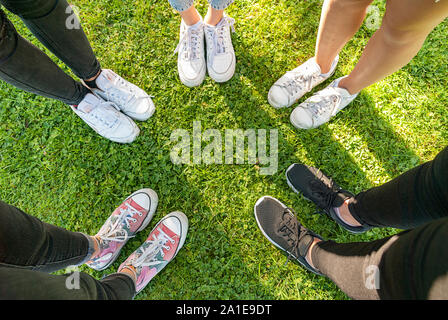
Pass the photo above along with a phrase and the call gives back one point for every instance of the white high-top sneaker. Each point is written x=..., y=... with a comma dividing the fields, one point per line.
x=296, y=83
x=322, y=106
x=220, y=53
x=131, y=100
x=105, y=118
x=191, y=54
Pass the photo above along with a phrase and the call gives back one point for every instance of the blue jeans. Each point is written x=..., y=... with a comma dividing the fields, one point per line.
x=182, y=5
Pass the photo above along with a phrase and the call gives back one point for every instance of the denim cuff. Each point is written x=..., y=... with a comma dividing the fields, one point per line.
x=121, y=284
x=220, y=4
x=182, y=5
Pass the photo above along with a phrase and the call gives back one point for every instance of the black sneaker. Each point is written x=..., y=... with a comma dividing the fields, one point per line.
x=315, y=186
x=280, y=226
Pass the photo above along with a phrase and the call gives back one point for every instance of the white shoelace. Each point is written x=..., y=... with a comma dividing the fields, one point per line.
x=147, y=258
x=114, y=231
x=100, y=118
x=190, y=40
x=123, y=93
x=300, y=80
x=320, y=102
x=217, y=33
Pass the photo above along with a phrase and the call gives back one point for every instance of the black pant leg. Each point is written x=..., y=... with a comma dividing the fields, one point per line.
x=26, y=67
x=410, y=265
x=20, y=284
x=30, y=249
x=28, y=243
x=54, y=23
x=417, y=196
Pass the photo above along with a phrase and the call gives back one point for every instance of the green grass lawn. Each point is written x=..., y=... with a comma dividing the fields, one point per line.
x=56, y=168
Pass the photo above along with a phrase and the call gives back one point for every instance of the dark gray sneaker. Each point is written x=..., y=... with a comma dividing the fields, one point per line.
x=315, y=186
x=280, y=226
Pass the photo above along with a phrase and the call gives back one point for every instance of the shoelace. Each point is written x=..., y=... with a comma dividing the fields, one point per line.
x=327, y=194
x=104, y=119
x=124, y=92
x=218, y=33
x=147, y=258
x=320, y=102
x=290, y=228
x=190, y=41
x=300, y=80
x=114, y=231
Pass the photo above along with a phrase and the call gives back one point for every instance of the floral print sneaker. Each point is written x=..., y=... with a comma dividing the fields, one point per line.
x=162, y=245
x=132, y=216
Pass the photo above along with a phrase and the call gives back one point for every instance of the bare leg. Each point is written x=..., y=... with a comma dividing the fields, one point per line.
x=340, y=20
x=405, y=26
x=190, y=16
x=213, y=16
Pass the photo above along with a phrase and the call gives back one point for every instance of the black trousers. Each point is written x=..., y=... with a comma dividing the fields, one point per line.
x=23, y=65
x=30, y=249
x=410, y=265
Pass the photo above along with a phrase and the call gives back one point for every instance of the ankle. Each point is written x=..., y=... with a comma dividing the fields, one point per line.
x=191, y=16
x=347, y=84
x=213, y=16
x=94, y=77
x=129, y=272
x=96, y=246
x=325, y=67
x=346, y=216
x=310, y=251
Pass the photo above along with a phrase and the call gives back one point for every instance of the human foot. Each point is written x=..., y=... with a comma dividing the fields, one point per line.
x=161, y=246
x=297, y=82
x=132, y=216
x=221, y=59
x=280, y=226
x=315, y=186
x=191, y=54
x=131, y=100
x=321, y=107
x=105, y=118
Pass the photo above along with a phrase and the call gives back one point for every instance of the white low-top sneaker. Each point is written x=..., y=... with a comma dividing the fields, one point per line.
x=319, y=108
x=220, y=53
x=105, y=118
x=191, y=54
x=296, y=83
x=131, y=100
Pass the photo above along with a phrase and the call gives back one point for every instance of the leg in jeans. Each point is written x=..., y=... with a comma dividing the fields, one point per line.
x=410, y=265
x=24, y=66
x=29, y=249
x=418, y=196
x=52, y=22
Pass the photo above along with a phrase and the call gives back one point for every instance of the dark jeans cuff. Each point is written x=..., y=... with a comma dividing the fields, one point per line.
x=120, y=285
x=354, y=208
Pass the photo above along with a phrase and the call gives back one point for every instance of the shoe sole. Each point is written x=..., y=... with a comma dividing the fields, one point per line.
x=223, y=77
x=193, y=82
